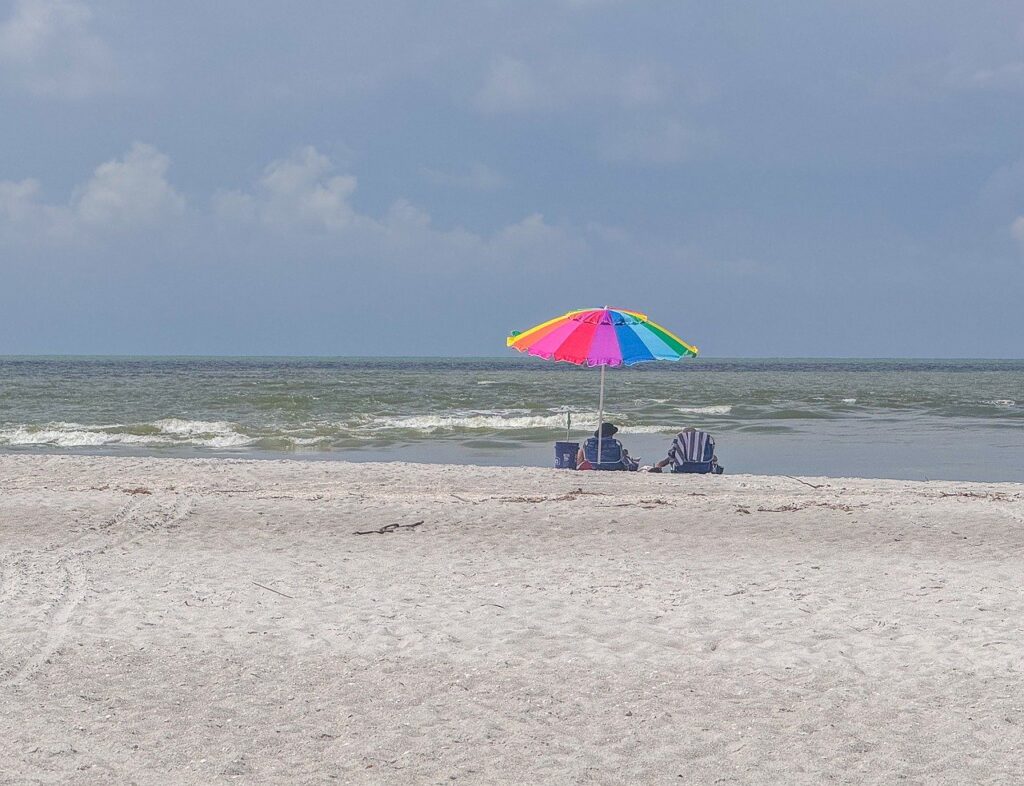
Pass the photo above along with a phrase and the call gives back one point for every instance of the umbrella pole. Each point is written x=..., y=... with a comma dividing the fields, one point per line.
x=600, y=416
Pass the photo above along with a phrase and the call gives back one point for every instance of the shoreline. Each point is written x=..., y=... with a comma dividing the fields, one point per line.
x=228, y=620
x=372, y=459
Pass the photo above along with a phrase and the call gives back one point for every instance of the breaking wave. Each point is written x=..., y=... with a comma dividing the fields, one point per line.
x=481, y=422
x=664, y=429
x=168, y=432
x=73, y=435
x=715, y=409
x=435, y=424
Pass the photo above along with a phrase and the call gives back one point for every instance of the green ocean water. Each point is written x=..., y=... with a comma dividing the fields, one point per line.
x=957, y=419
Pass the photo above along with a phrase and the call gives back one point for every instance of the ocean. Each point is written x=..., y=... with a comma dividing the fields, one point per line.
x=913, y=419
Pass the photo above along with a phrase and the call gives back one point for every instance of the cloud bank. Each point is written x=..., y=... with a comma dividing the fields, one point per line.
x=807, y=182
x=48, y=48
x=123, y=195
x=304, y=193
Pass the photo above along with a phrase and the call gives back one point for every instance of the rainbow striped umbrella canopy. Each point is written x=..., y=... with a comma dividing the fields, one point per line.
x=601, y=337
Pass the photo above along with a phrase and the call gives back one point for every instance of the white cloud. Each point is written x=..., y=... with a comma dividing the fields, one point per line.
x=234, y=206
x=611, y=235
x=405, y=214
x=130, y=192
x=566, y=82
x=656, y=142
x=1017, y=230
x=640, y=85
x=302, y=193
x=18, y=200
x=122, y=195
x=295, y=191
x=511, y=86
x=1008, y=76
x=532, y=232
x=23, y=214
x=479, y=177
x=47, y=47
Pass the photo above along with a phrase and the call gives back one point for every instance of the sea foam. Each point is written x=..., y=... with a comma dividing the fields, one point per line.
x=170, y=432
x=482, y=422
x=188, y=428
x=75, y=435
x=582, y=422
x=714, y=409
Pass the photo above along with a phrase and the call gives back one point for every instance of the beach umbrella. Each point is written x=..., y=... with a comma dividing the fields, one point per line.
x=601, y=337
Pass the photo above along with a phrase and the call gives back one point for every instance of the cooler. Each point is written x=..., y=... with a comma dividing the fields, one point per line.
x=565, y=454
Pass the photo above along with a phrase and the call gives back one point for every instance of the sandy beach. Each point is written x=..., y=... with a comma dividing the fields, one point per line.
x=216, y=621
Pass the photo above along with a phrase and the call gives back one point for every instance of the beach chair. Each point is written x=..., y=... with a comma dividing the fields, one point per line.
x=612, y=458
x=693, y=452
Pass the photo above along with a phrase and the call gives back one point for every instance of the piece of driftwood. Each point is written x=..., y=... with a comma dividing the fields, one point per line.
x=567, y=497
x=803, y=481
x=388, y=528
x=271, y=589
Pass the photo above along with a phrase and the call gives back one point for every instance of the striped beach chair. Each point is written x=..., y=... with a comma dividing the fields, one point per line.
x=693, y=451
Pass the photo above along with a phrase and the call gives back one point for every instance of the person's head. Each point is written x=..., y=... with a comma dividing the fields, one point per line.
x=607, y=431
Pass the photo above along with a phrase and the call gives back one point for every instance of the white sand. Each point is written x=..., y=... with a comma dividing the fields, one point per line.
x=653, y=629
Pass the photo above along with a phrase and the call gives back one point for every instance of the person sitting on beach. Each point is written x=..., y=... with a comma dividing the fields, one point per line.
x=613, y=455
x=692, y=451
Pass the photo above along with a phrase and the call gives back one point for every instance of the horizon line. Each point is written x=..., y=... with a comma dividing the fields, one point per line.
x=129, y=356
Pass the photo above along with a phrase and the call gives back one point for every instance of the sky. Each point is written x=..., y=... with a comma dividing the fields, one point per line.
x=421, y=178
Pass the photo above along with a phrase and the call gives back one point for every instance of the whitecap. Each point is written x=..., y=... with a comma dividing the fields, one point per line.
x=481, y=422
x=172, y=432
x=649, y=430
x=74, y=435
x=203, y=433
x=187, y=428
x=508, y=422
x=1001, y=402
x=305, y=441
x=234, y=440
x=715, y=409
x=849, y=401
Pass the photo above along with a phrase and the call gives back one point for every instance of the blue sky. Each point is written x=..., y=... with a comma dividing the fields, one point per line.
x=792, y=178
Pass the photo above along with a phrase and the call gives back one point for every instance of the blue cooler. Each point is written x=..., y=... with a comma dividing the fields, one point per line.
x=565, y=455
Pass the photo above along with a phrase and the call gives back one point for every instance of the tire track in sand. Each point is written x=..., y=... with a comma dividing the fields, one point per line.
x=13, y=565
x=74, y=576
x=118, y=517
x=8, y=583
x=70, y=595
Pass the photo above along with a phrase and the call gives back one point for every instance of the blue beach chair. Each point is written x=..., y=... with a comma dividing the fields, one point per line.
x=613, y=456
